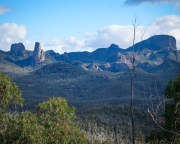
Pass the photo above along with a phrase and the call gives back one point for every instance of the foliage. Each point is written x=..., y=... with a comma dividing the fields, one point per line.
x=10, y=94
x=51, y=123
x=172, y=109
x=170, y=116
x=112, y=124
x=20, y=128
x=86, y=88
x=56, y=118
x=9, y=130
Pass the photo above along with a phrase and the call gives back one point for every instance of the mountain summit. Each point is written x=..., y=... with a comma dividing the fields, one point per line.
x=163, y=42
x=157, y=42
x=150, y=53
x=18, y=49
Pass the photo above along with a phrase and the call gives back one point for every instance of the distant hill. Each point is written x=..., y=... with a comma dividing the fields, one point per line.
x=88, y=79
x=157, y=42
x=150, y=53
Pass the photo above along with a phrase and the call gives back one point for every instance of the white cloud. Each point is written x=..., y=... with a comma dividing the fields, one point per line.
x=104, y=37
x=29, y=45
x=166, y=25
x=118, y=34
x=11, y=33
x=71, y=44
x=3, y=9
x=56, y=45
x=122, y=35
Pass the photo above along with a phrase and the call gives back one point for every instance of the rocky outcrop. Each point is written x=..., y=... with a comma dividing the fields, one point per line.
x=144, y=66
x=119, y=57
x=114, y=46
x=93, y=67
x=38, y=53
x=163, y=42
x=51, y=53
x=18, y=49
x=79, y=64
x=107, y=66
x=115, y=67
x=119, y=67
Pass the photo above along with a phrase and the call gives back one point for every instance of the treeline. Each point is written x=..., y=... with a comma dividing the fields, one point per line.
x=54, y=121
x=113, y=124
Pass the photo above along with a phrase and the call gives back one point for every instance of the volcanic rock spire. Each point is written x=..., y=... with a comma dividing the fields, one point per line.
x=38, y=53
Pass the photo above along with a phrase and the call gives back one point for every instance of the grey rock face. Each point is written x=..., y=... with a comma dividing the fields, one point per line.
x=38, y=54
x=18, y=49
x=119, y=57
x=163, y=41
x=93, y=67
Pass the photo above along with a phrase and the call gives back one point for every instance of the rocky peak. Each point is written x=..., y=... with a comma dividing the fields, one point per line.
x=65, y=54
x=113, y=46
x=18, y=49
x=51, y=53
x=94, y=67
x=107, y=66
x=163, y=42
x=38, y=53
x=118, y=57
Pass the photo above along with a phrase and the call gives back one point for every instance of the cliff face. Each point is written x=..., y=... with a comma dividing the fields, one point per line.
x=38, y=53
x=149, y=53
x=18, y=49
x=118, y=57
x=163, y=42
x=94, y=67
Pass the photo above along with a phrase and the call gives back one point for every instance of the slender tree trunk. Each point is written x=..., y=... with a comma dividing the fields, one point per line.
x=115, y=133
x=132, y=86
x=135, y=27
x=132, y=116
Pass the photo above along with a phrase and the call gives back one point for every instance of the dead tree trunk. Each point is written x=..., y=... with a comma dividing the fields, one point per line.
x=132, y=84
x=134, y=53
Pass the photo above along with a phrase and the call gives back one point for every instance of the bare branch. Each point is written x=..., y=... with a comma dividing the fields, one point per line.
x=142, y=35
x=155, y=121
x=154, y=111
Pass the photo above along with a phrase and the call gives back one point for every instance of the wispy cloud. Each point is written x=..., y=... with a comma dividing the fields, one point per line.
x=3, y=9
x=138, y=2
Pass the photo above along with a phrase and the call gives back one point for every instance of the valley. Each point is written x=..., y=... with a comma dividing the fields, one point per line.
x=96, y=83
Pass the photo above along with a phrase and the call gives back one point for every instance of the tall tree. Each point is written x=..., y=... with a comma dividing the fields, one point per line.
x=51, y=123
x=10, y=93
x=56, y=118
x=170, y=120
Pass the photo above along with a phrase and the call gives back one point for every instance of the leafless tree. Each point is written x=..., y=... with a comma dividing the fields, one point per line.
x=153, y=109
x=136, y=25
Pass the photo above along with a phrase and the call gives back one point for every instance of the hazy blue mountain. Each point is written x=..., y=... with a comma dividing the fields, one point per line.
x=150, y=53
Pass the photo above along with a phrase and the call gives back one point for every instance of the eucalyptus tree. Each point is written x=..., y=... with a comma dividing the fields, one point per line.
x=51, y=123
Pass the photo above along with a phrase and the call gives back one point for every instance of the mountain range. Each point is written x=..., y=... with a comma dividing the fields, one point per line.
x=92, y=78
x=150, y=53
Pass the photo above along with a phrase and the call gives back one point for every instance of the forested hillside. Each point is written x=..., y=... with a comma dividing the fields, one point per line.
x=97, y=84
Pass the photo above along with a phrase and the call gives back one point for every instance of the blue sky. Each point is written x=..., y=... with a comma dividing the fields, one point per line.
x=84, y=25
